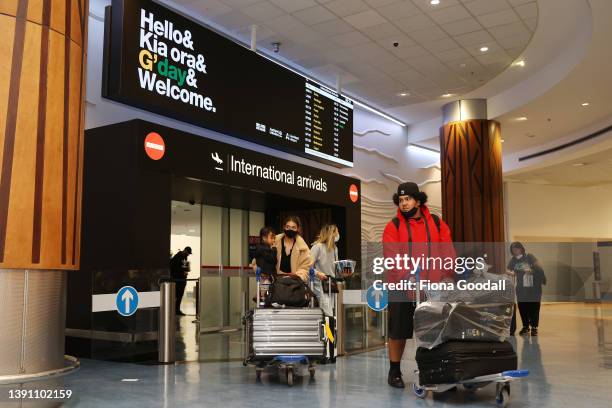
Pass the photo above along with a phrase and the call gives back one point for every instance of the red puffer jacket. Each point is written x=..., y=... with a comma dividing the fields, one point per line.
x=426, y=242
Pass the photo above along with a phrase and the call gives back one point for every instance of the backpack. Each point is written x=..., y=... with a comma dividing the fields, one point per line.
x=289, y=291
x=436, y=219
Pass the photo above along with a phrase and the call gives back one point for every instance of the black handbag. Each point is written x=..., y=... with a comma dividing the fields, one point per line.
x=289, y=291
x=326, y=283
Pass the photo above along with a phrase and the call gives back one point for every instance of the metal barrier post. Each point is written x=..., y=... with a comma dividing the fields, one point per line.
x=167, y=323
x=340, y=319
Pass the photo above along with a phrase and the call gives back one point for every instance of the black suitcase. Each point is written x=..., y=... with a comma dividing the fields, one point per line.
x=462, y=360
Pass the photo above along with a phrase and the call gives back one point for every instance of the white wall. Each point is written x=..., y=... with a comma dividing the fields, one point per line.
x=563, y=224
x=560, y=213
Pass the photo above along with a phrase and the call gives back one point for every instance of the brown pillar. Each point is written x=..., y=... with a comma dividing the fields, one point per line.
x=42, y=68
x=472, y=190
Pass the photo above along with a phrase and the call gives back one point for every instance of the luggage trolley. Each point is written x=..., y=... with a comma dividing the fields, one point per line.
x=303, y=326
x=501, y=380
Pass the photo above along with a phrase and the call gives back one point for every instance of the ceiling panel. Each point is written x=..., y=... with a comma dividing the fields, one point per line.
x=467, y=25
x=345, y=8
x=498, y=18
x=397, y=11
x=365, y=19
x=480, y=7
x=293, y=5
x=314, y=15
x=449, y=14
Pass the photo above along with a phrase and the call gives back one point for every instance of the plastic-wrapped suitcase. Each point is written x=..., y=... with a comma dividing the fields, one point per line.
x=457, y=361
x=438, y=322
x=287, y=332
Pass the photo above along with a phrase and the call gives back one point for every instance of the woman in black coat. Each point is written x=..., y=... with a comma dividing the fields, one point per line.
x=529, y=280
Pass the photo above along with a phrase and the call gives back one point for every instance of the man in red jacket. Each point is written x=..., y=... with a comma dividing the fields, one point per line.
x=417, y=233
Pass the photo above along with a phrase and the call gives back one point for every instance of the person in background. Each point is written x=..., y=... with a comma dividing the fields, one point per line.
x=293, y=254
x=179, y=268
x=265, y=259
x=411, y=232
x=324, y=253
x=529, y=280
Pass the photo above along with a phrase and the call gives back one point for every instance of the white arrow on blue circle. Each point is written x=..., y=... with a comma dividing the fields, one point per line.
x=127, y=297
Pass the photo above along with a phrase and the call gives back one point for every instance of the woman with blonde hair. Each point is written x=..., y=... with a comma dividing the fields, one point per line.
x=324, y=252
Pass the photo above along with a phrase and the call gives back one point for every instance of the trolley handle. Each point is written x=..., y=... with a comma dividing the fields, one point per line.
x=516, y=373
x=258, y=279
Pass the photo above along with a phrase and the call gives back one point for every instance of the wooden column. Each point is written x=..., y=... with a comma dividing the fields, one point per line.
x=42, y=68
x=472, y=190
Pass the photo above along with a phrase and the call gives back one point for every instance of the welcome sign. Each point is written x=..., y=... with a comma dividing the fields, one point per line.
x=168, y=63
x=161, y=61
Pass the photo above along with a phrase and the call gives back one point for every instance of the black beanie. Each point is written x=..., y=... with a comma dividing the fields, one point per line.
x=410, y=189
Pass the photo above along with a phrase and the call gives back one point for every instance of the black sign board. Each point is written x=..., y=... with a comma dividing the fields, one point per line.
x=158, y=60
x=193, y=156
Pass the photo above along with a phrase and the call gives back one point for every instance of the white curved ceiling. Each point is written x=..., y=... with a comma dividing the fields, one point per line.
x=438, y=46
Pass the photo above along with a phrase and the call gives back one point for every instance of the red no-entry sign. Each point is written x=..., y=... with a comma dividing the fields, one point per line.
x=353, y=193
x=154, y=146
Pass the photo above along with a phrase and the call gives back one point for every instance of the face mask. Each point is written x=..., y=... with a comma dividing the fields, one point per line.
x=337, y=238
x=290, y=233
x=519, y=256
x=410, y=213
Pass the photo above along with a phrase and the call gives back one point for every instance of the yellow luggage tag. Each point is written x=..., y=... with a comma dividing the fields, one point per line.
x=329, y=333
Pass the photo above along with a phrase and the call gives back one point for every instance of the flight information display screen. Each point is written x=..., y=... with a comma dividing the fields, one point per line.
x=163, y=62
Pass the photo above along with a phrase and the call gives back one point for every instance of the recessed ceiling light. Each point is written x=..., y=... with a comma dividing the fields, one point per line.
x=519, y=63
x=521, y=118
x=447, y=95
x=404, y=94
x=585, y=104
x=578, y=164
x=434, y=2
x=484, y=49
x=502, y=140
x=463, y=65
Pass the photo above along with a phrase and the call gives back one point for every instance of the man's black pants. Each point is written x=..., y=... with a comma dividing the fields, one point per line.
x=180, y=291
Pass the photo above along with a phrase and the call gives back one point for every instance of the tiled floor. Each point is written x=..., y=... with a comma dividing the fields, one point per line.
x=570, y=366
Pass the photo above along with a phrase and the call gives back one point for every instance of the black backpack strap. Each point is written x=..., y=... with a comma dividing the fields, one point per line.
x=396, y=222
x=436, y=221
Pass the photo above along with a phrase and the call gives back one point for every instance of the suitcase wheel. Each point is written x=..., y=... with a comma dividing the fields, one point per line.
x=290, y=376
x=469, y=387
x=503, y=395
x=311, y=370
x=420, y=392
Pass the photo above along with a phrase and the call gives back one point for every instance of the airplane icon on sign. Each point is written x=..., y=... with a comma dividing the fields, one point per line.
x=216, y=158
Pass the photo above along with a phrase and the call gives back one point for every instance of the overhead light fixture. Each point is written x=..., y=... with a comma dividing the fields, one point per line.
x=463, y=65
x=447, y=95
x=379, y=113
x=585, y=104
x=502, y=140
x=521, y=118
x=434, y=2
x=578, y=164
x=519, y=63
x=484, y=49
x=404, y=94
